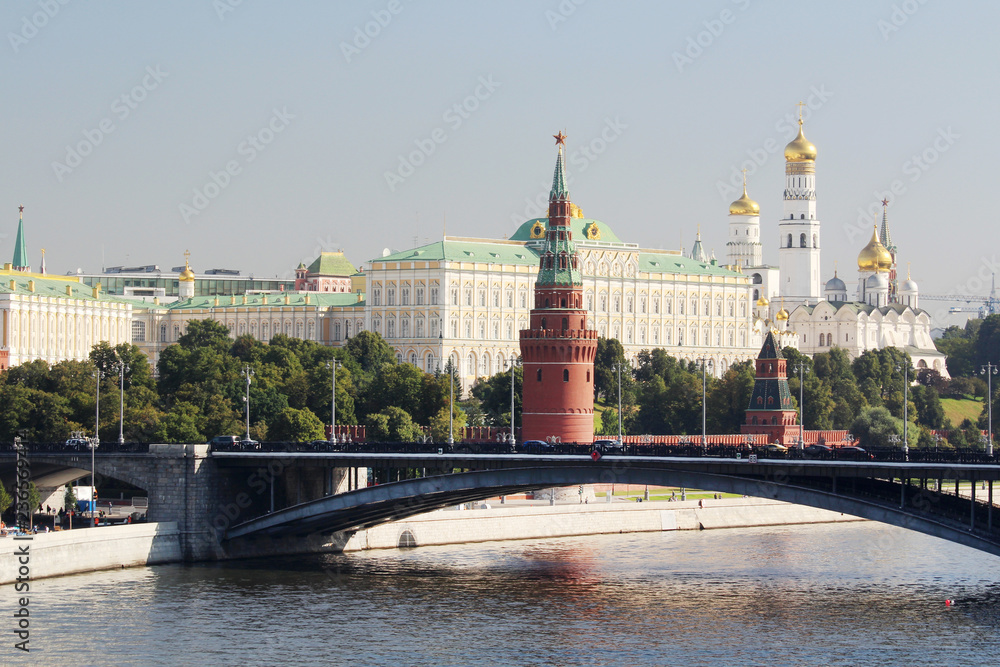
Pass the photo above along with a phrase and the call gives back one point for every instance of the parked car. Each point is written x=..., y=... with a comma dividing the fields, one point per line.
x=536, y=447
x=224, y=440
x=775, y=450
x=78, y=443
x=249, y=444
x=609, y=446
x=818, y=451
x=852, y=453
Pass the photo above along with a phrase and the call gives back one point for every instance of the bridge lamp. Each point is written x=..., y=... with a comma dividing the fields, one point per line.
x=514, y=361
x=247, y=373
x=332, y=364
x=96, y=440
x=906, y=406
x=122, y=369
x=989, y=370
x=801, y=367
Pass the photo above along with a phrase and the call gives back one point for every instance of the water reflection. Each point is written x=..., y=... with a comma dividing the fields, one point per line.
x=797, y=595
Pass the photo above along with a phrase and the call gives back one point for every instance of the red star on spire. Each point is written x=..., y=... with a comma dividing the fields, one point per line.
x=885, y=202
x=560, y=138
x=20, y=209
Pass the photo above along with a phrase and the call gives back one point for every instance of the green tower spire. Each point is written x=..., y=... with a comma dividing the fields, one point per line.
x=20, y=262
x=559, y=190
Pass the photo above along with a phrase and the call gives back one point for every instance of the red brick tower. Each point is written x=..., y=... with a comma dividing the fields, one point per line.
x=770, y=412
x=558, y=349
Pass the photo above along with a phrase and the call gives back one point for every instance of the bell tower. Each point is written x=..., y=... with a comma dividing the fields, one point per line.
x=558, y=348
x=771, y=412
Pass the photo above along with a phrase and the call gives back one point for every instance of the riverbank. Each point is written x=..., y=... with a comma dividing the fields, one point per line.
x=525, y=521
x=88, y=550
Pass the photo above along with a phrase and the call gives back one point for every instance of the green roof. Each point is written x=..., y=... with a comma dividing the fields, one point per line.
x=665, y=263
x=295, y=299
x=467, y=251
x=579, y=226
x=52, y=287
x=332, y=264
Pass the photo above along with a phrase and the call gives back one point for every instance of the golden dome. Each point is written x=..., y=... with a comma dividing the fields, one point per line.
x=874, y=256
x=800, y=149
x=782, y=315
x=744, y=205
x=762, y=301
x=187, y=275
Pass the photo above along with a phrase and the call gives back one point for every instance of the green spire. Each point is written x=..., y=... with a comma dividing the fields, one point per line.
x=20, y=249
x=559, y=190
x=884, y=236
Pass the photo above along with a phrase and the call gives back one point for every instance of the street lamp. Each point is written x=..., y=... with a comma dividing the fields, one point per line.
x=906, y=407
x=247, y=372
x=800, y=368
x=451, y=403
x=704, y=407
x=122, y=369
x=96, y=440
x=332, y=364
x=513, y=362
x=617, y=366
x=989, y=370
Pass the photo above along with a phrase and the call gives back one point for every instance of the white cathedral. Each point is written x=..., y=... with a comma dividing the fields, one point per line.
x=883, y=313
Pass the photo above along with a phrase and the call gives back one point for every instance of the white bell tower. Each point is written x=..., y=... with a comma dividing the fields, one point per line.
x=799, y=233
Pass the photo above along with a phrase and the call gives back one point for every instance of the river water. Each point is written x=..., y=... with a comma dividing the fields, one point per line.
x=856, y=594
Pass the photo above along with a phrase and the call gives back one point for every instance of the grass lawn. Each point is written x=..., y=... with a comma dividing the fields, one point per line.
x=665, y=493
x=957, y=409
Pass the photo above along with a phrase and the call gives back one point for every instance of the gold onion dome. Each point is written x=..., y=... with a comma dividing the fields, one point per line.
x=762, y=301
x=744, y=205
x=874, y=256
x=782, y=315
x=800, y=149
x=187, y=275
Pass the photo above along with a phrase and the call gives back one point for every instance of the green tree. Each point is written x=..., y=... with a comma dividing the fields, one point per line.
x=6, y=500
x=986, y=345
x=494, y=396
x=873, y=427
x=181, y=424
x=609, y=352
x=729, y=398
x=295, y=425
x=958, y=346
x=392, y=424
x=397, y=385
x=440, y=425
x=834, y=369
x=929, y=411
x=370, y=351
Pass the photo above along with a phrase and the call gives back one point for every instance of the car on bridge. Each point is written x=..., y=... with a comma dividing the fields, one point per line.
x=852, y=453
x=81, y=444
x=773, y=450
x=609, y=446
x=818, y=451
x=536, y=447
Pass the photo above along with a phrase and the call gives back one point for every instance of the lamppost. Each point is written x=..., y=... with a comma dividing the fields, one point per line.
x=513, y=362
x=704, y=406
x=247, y=372
x=617, y=366
x=906, y=407
x=989, y=370
x=800, y=368
x=96, y=440
x=122, y=369
x=451, y=403
x=332, y=364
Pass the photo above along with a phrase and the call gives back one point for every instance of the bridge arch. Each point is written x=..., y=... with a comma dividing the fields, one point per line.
x=372, y=506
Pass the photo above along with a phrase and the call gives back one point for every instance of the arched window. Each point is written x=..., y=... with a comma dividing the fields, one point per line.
x=538, y=375
x=815, y=241
x=789, y=240
x=565, y=375
x=802, y=240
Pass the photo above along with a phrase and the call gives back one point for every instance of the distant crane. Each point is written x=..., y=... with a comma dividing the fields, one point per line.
x=990, y=305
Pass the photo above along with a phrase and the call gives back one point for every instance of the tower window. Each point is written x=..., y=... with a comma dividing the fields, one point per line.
x=565, y=323
x=565, y=375
x=538, y=375
x=789, y=240
x=802, y=240
x=802, y=216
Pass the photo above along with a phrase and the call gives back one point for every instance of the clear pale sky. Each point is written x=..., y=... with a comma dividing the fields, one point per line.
x=669, y=98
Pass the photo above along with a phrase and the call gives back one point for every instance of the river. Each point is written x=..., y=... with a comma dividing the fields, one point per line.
x=854, y=594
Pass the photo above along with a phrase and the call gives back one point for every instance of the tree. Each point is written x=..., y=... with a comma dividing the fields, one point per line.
x=370, y=351
x=834, y=369
x=392, y=424
x=205, y=334
x=440, y=424
x=181, y=424
x=6, y=500
x=987, y=343
x=729, y=398
x=295, y=425
x=494, y=396
x=398, y=385
x=873, y=427
x=927, y=402
x=609, y=352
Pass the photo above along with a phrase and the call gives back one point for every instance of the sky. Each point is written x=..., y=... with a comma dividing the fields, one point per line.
x=258, y=133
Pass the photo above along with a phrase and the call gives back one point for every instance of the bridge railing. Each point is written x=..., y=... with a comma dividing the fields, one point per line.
x=60, y=447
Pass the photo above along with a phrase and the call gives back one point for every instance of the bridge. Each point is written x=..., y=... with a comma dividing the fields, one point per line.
x=287, y=498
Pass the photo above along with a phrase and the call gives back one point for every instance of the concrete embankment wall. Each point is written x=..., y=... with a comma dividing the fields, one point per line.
x=89, y=549
x=534, y=522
